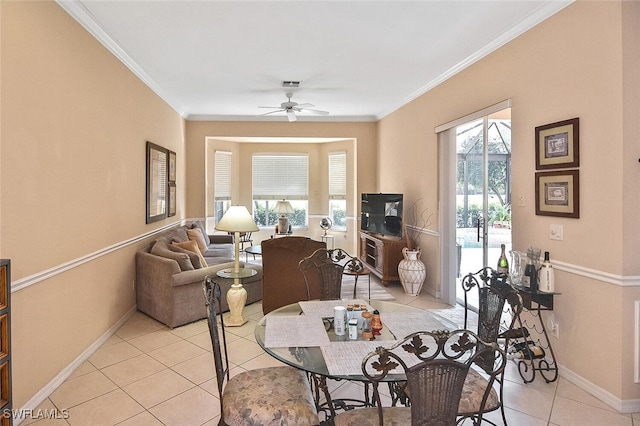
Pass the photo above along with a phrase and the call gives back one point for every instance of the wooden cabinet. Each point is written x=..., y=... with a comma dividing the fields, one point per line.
x=5, y=341
x=381, y=255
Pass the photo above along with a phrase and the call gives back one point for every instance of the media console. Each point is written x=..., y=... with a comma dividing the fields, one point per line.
x=381, y=255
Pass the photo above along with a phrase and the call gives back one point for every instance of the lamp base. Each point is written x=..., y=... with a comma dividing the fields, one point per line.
x=283, y=225
x=236, y=299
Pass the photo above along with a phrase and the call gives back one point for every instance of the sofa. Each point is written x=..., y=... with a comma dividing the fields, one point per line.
x=170, y=273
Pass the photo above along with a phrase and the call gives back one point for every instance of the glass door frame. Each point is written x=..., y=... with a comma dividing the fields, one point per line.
x=447, y=183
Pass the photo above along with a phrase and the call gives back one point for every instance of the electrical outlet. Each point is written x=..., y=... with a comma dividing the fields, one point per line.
x=555, y=331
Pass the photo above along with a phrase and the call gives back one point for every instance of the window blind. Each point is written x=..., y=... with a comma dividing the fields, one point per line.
x=222, y=176
x=276, y=177
x=338, y=175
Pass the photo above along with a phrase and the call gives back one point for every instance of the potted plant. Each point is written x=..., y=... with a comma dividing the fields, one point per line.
x=411, y=269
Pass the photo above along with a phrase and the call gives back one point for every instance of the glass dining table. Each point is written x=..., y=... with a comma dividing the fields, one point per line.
x=301, y=335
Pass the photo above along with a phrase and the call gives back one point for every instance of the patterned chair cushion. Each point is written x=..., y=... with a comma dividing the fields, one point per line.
x=393, y=416
x=269, y=396
x=472, y=393
x=474, y=387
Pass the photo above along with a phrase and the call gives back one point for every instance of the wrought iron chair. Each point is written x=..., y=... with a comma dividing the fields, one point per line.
x=330, y=265
x=255, y=396
x=444, y=376
x=494, y=289
x=327, y=267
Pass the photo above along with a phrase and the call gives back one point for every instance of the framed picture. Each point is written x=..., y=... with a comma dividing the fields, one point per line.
x=172, y=199
x=156, y=182
x=172, y=166
x=557, y=145
x=558, y=193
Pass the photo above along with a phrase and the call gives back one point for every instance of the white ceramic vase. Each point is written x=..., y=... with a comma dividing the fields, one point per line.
x=412, y=271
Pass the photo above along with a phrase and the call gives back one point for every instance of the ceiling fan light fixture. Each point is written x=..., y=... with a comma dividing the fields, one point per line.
x=291, y=115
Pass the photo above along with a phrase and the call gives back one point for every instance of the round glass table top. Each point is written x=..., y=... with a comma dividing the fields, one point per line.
x=311, y=359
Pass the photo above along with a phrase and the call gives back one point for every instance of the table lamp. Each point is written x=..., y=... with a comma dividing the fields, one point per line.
x=236, y=219
x=283, y=207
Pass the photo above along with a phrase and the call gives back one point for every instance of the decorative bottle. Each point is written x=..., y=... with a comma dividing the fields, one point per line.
x=530, y=278
x=503, y=263
x=546, y=275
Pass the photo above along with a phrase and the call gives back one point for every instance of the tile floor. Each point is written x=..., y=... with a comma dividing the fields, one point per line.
x=148, y=374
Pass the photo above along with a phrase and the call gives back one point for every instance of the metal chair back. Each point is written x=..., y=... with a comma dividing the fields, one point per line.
x=215, y=322
x=328, y=265
x=436, y=365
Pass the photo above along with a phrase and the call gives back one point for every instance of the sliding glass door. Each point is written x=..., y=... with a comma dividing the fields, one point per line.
x=476, y=164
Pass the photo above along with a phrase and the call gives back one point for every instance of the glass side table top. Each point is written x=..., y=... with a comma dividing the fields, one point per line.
x=242, y=273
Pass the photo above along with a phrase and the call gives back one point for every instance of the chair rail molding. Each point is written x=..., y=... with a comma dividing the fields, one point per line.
x=27, y=281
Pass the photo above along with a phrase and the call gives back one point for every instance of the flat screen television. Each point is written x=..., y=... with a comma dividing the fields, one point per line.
x=382, y=214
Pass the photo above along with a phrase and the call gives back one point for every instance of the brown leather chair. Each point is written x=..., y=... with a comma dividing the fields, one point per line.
x=282, y=281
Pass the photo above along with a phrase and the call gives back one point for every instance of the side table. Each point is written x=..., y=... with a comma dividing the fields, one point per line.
x=326, y=239
x=237, y=295
x=356, y=274
x=253, y=250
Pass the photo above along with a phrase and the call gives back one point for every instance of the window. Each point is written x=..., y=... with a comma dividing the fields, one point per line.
x=280, y=177
x=338, y=190
x=222, y=184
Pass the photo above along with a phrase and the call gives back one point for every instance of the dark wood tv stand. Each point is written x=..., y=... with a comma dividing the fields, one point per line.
x=381, y=255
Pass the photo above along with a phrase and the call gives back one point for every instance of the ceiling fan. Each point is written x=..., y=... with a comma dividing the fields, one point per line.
x=291, y=108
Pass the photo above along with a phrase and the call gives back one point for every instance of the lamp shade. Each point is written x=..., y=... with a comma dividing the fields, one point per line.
x=283, y=207
x=237, y=219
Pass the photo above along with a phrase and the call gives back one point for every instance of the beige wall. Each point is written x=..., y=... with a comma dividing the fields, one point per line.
x=582, y=63
x=73, y=126
x=357, y=139
x=317, y=152
x=75, y=123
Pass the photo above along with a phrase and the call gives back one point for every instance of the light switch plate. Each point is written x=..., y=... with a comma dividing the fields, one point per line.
x=555, y=232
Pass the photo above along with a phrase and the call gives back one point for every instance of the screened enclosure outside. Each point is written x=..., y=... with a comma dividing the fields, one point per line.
x=483, y=193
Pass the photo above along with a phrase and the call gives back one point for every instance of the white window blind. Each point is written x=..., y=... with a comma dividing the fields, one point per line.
x=278, y=177
x=338, y=175
x=222, y=176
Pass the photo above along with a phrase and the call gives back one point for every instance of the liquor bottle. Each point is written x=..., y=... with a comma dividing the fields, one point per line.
x=526, y=350
x=546, y=275
x=503, y=263
x=530, y=278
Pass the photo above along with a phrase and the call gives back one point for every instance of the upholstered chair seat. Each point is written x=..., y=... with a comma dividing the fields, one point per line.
x=268, y=396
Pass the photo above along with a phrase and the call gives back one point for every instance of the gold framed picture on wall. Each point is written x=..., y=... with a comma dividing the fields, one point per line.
x=558, y=193
x=156, y=182
x=172, y=166
x=558, y=145
x=172, y=199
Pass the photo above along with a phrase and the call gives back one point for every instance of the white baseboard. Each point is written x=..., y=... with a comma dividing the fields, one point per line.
x=40, y=396
x=622, y=406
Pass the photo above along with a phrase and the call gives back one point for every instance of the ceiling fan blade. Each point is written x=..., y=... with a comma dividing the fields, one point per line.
x=317, y=111
x=305, y=105
x=272, y=112
x=291, y=115
x=276, y=107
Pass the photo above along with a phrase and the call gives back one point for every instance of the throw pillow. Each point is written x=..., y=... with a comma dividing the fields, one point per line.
x=204, y=231
x=161, y=249
x=195, y=234
x=195, y=259
x=192, y=246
